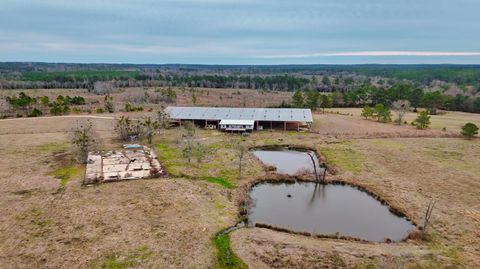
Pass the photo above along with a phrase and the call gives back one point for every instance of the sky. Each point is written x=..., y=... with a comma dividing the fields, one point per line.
x=241, y=32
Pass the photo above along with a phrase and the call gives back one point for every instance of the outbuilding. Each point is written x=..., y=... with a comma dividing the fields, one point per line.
x=243, y=119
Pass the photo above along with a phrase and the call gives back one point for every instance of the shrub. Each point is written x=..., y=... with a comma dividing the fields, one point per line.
x=100, y=110
x=367, y=112
x=469, y=130
x=35, y=113
x=382, y=113
x=108, y=102
x=127, y=129
x=58, y=108
x=131, y=108
x=422, y=121
x=77, y=100
x=83, y=138
x=128, y=107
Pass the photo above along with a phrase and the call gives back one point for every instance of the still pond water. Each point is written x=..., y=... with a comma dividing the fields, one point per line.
x=287, y=161
x=325, y=209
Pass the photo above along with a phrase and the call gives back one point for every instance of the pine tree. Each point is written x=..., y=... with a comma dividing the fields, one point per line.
x=312, y=100
x=422, y=121
x=298, y=99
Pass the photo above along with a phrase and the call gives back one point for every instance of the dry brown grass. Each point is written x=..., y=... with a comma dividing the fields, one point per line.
x=263, y=248
x=450, y=120
x=174, y=219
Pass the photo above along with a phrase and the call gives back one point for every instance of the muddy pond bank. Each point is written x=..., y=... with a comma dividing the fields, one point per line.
x=291, y=200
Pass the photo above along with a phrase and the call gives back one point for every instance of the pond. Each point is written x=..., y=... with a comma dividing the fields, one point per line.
x=326, y=209
x=288, y=161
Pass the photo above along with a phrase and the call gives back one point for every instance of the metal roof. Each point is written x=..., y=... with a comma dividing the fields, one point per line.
x=235, y=113
x=238, y=122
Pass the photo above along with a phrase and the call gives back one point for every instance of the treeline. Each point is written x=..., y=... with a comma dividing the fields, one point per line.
x=373, y=95
x=87, y=80
x=424, y=74
x=419, y=72
x=433, y=100
x=280, y=78
x=25, y=105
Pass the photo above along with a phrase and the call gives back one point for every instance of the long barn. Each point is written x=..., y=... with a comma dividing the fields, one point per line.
x=243, y=119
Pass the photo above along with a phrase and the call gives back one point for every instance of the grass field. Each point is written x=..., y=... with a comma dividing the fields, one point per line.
x=450, y=120
x=171, y=222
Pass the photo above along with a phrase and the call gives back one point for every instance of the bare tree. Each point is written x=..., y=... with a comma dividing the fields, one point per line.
x=428, y=215
x=4, y=108
x=163, y=119
x=127, y=128
x=84, y=139
x=312, y=157
x=102, y=87
x=150, y=128
x=401, y=107
x=241, y=149
x=188, y=133
x=199, y=152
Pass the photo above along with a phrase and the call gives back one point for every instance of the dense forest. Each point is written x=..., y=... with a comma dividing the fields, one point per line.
x=459, y=83
x=278, y=77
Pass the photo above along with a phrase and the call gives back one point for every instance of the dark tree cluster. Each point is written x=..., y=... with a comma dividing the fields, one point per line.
x=417, y=97
x=23, y=104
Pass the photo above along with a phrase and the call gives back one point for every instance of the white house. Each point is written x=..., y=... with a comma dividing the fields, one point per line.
x=237, y=125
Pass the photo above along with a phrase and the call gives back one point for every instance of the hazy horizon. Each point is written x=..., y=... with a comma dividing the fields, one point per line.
x=261, y=64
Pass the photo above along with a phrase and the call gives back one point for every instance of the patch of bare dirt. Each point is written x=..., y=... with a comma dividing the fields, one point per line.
x=263, y=248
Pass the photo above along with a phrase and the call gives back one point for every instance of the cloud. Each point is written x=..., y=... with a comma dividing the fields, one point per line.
x=240, y=31
x=376, y=54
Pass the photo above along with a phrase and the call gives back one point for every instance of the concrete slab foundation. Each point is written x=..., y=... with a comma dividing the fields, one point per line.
x=120, y=165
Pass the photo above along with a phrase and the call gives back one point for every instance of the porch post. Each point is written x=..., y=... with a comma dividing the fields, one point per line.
x=284, y=126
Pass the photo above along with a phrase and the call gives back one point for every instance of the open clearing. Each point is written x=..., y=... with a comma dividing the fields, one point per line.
x=450, y=120
x=85, y=226
x=50, y=222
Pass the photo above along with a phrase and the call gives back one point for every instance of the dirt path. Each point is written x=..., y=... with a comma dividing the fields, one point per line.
x=60, y=117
